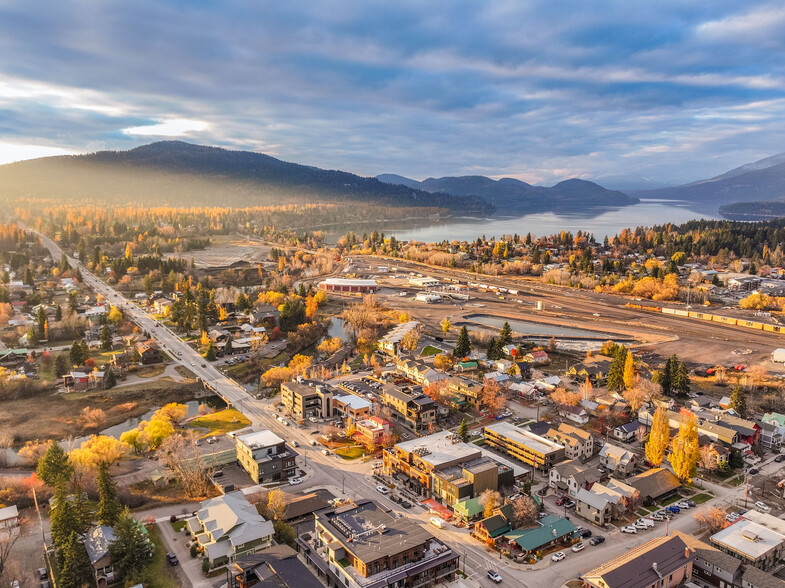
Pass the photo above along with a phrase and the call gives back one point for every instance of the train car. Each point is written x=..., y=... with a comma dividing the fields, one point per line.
x=668, y=310
x=725, y=320
x=504, y=290
x=774, y=328
x=513, y=292
x=679, y=312
x=750, y=324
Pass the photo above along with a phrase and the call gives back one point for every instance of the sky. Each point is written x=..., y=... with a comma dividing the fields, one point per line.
x=541, y=91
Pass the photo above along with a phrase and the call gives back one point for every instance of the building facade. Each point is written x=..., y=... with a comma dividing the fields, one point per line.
x=538, y=452
x=265, y=456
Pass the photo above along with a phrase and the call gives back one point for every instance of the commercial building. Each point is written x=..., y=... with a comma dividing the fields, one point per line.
x=307, y=399
x=277, y=566
x=265, y=456
x=351, y=407
x=391, y=342
x=467, y=392
x=539, y=452
x=371, y=431
x=424, y=282
x=443, y=466
x=664, y=562
x=410, y=407
x=655, y=484
x=550, y=531
x=364, y=545
x=227, y=527
x=757, y=539
x=349, y=286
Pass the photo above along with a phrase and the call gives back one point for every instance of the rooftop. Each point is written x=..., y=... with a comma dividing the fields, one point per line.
x=440, y=448
x=530, y=440
x=748, y=538
x=259, y=439
x=348, y=282
x=352, y=401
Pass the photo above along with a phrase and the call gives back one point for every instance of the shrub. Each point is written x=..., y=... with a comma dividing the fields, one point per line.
x=193, y=550
x=205, y=566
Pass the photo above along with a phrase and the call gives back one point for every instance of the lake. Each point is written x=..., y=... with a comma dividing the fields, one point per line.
x=532, y=328
x=601, y=222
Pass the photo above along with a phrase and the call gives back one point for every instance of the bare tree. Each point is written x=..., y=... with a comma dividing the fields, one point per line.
x=707, y=460
x=713, y=518
x=525, y=511
x=181, y=455
x=641, y=433
x=756, y=376
x=7, y=540
x=6, y=441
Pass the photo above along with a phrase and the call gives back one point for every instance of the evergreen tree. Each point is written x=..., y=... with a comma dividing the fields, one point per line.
x=110, y=381
x=85, y=351
x=681, y=379
x=28, y=278
x=131, y=549
x=228, y=346
x=463, y=430
x=738, y=401
x=41, y=323
x=75, y=568
x=616, y=371
x=211, y=352
x=108, y=508
x=665, y=378
x=463, y=346
x=106, y=338
x=63, y=518
x=61, y=365
x=58, y=313
x=493, y=349
x=505, y=335
x=54, y=469
x=32, y=337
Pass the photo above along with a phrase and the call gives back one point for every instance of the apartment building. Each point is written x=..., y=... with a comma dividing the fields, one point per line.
x=578, y=444
x=307, y=399
x=265, y=456
x=538, y=452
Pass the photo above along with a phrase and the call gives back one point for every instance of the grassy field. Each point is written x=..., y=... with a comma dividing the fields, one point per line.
x=178, y=525
x=150, y=371
x=352, y=452
x=159, y=573
x=701, y=498
x=221, y=422
x=431, y=350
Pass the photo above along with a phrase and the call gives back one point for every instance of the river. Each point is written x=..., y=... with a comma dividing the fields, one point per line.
x=601, y=222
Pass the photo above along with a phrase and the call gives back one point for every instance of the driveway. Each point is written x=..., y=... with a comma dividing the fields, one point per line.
x=190, y=568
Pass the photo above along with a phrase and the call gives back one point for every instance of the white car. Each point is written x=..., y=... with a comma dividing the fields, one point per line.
x=295, y=481
x=382, y=489
x=495, y=576
x=578, y=547
x=762, y=506
x=558, y=556
x=732, y=517
x=629, y=529
x=683, y=504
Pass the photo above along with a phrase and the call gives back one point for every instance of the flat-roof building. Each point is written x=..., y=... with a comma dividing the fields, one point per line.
x=757, y=541
x=307, y=399
x=265, y=456
x=539, y=452
x=348, y=285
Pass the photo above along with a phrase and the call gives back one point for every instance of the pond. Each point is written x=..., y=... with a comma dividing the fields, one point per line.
x=337, y=328
x=542, y=329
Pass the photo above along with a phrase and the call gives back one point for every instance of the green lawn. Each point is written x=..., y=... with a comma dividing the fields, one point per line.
x=671, y=500
x=737, y=481
x=431, y=350
x=353, y=452
x=221, y=422
x=701, y=498
x=159, y=572
x=178, y=525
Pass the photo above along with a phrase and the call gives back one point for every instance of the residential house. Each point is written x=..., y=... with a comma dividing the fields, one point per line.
x=597, y=507
x=391, y=342
x=9, y=517
x=621, y=462
x=755, y=578
x=626, y=432
x=536, y=451
x=595, y=369
x=664, y=562
x=772, y=435
x=468, y=365
x=162, y=306
x=277, y=566
x=419, y=371
x=655, y=484
x=549, y=532
x=372, y=431
x=227, y=527
x=748, y=431
x=366, y=545
x=577, y=414
x=570, y=476
x=712, y=567
x=265, y=456
x=537, y=357
x=75, y=381
x=265, y=315
x=578, y=444
x=96, y=542
x=468, y=391
x=716, y=455
x=149, y=353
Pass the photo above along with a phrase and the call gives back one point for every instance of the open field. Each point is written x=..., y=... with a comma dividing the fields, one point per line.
x=57, y=416
x=227, y=250
x=221, y=422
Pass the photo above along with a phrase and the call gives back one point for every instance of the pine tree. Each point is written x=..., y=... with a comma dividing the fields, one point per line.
x=54, y=469
x=659, y=437
x=463, y=430
x=681, y=379
x=493, y=349
x=665, y=378
x=616, y=371
x=463, y=346
x=75, y=569
x=211, y=352
x=61, y=365
x=686, y=449
x=629, y=371
x=108, y=508
x=58, y=313
x=63, y=519
x=41, y=323
x=738, y=401
x=505, y=335
x=85, y=351
x=110, y=381
x=106, y=338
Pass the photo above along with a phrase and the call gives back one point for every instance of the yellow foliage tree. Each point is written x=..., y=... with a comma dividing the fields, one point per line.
x=659, y=437
x=330, y=346
x=276, y=376
x=204, y=339
x=629, y=371
x=173, y=412
x=300, y=363
x=115, y=316
x=686, y=449
x=153, y=433
x=98, y=449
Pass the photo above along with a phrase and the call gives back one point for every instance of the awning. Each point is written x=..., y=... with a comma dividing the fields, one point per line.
x=437, y=509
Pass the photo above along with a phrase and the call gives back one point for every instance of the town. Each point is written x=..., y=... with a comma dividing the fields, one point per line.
x=377, y=421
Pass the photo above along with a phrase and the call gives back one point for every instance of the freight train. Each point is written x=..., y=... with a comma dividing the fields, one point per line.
x=715, y=318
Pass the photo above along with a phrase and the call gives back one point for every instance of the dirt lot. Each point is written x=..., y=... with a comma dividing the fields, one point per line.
x=57, y=416
x=229, y=249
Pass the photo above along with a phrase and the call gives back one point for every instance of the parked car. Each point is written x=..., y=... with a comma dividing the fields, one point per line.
x=295, y=444
x=436, y=521
x=43, y=574
x=753, y=471
x=691, y=503
x=583, y=533
x=295, y=481
x=494, y=576
x=779, y=458
x=558, y=556
x=406, y=504
x=579, y=547
x=326, y=451
x=569, y=504
x=732, y=517
x=172, y=559
x=383, y=489
x=561, y=500
x=683, y=504
x=639, y=524
x=657, y=517
x=762, y=506
x=629, y=529
x=596, y=540
x=673, y=509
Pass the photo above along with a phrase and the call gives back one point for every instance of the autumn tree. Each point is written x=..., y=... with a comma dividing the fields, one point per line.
x=629, y=371
x=659, y=437
x=96, y=450
x=442, y=362
x=565, y=397
x=330, y=346
x=493, y=396
x=410, y=340
x=275, y=376
x=182, y=456
x=713, y=517
x=707, y=460
x=489, y=500
x=276, y=504
x=686, y=449
x=641, y=392
x=299, y=364
x=524, y=511
x=446, y=325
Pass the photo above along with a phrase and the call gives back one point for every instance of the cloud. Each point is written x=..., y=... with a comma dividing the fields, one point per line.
x=11, y=152
x=672, y=90
x=176, y=127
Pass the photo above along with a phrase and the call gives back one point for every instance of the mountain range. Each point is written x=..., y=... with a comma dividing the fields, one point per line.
x=509, y=194
x=763, y=180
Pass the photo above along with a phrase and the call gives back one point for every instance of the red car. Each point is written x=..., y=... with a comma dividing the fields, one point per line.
x=561, y=500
